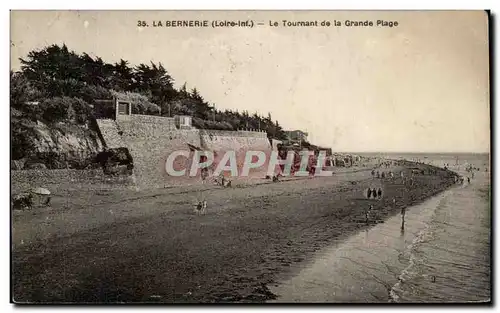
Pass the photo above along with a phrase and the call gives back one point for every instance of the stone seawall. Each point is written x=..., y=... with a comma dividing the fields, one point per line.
x=144, y=126
x=150, y=155
x=151, y=140
x=240, y=142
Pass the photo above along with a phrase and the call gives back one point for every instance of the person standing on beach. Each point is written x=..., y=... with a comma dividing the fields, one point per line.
x=367, y=213
x=403, y=212
x=379, y=193
x=369, y=193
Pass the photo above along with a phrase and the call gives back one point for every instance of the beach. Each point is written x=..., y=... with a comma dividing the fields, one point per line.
x=150, y=246
x=441, y=253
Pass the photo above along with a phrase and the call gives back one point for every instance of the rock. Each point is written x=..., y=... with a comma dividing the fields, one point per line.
x=115, y=161
x=40, y=191
x=36, y=166
x=22, y=201
x=17, y=164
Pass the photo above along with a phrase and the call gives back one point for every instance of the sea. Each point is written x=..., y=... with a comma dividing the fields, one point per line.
x=440, y=254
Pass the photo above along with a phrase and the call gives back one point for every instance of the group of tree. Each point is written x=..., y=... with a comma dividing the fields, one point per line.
x=64, y=83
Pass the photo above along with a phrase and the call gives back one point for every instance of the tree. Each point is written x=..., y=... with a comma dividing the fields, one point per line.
x=58, y=73
x=183, y=93
x=122, y=78
x=198, y=105
x=196, y=95
x=52, y=63
x=157, y=81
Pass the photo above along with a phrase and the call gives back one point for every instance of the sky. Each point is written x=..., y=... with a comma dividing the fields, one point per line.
x=422, y=86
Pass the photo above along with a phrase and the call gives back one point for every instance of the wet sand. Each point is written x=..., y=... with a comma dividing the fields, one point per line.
x=151, y=246
x=364, y=267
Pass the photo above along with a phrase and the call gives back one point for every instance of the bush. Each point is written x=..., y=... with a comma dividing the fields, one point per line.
x=89, y=93
x=208, y=124
x=61, y=109
x=140, y=103
x=199, y=123
x=21, y=139
x=21, y=91
x=82, y=111
x=55, y=109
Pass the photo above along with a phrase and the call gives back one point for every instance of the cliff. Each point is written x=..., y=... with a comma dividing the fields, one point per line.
x=61, y=145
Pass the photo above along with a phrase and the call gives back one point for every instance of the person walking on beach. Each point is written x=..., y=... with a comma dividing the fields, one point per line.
x=379, y=193
x=378, y=174
x=468, y=180
x=369, y=193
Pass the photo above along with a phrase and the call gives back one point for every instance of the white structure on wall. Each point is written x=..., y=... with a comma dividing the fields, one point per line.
x=183, y=121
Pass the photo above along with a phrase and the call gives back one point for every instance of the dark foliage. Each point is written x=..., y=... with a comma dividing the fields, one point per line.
x=55, y=75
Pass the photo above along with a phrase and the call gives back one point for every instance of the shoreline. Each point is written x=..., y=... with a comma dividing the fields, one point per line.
x=248, y=239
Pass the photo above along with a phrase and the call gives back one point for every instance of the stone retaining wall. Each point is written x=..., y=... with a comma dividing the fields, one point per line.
x=151, y=139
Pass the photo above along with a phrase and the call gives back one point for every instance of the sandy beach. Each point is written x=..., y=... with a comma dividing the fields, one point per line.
x=150, y=246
